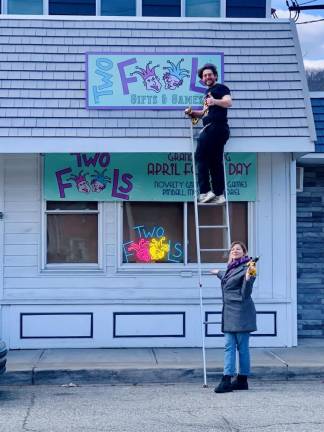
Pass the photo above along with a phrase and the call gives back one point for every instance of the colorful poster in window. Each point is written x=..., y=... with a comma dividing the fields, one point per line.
x=152, y=244
x=147, y=80
x=139, y=177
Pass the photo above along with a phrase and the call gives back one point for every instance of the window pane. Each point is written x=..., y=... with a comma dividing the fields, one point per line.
x=203, y=8
x=159, y=8
x=72, y=238
x=251, y=9
x=118, y=8
x=72, y=7
x=216, y=238
x=152, y=233
x=30, y=7
x=72, y=205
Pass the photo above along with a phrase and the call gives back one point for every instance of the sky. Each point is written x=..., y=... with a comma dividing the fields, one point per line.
x=311, y=35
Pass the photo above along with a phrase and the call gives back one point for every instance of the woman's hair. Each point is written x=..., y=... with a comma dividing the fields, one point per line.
x=207, y=66
x=243, y=246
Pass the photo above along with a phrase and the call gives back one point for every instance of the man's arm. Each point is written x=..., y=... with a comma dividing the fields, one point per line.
x=225, y=102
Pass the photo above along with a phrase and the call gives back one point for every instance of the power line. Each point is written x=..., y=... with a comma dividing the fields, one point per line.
x=296, y=7
x=313, y=1
x=313, y=21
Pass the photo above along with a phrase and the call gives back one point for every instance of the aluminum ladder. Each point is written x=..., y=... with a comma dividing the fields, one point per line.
x=198, y=228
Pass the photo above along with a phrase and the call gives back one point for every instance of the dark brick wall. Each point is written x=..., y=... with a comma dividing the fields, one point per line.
x=310, y=254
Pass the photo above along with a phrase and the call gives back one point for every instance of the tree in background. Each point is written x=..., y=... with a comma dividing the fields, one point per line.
x=315, y=79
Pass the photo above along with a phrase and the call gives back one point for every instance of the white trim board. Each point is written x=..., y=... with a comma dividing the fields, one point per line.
x=144, y=145
x=138, y=18
x=316, y=94
x=312, y=159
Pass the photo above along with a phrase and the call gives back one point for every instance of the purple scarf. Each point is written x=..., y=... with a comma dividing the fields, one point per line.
x=235, y=263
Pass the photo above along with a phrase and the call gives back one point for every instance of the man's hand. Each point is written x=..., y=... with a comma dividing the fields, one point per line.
x=193, y=114
x=188, y=112
x=210, y=101
x=225, y=102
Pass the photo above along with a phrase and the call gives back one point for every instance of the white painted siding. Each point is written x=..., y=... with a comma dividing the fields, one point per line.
x=28, y=288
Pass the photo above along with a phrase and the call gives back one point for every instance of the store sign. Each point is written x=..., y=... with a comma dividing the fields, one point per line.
x=139, y=177
x=147, y=80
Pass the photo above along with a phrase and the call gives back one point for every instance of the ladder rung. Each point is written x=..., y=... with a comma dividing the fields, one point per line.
x=210, y=204
x=213, y=226
x=213, y=250
x=212, y=322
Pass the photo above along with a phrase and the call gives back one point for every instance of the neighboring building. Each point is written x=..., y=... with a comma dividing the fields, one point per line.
x=310, y=232
x=70, y=275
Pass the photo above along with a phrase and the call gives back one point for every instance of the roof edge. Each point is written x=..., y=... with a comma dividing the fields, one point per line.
x=140, y=19
x=299, y=55
x=317, y=94
x=144, y=145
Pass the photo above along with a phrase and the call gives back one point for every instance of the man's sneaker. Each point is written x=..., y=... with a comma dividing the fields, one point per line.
x=206, y=197
x=218, y=199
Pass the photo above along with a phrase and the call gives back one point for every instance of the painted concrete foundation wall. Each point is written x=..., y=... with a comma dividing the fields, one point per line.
x=122, y=307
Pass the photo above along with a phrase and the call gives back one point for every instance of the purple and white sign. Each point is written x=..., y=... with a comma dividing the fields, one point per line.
x=147, y=80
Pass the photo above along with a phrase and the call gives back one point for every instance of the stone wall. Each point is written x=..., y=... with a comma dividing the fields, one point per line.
x=310, y=254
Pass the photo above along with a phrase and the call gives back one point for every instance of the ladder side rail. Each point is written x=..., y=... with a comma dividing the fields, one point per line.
x=198, y=254
x=227, y=208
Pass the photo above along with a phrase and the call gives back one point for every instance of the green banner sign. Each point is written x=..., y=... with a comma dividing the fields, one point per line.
x=139, y=177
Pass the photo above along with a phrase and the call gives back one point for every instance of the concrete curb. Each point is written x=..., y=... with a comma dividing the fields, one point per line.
x=134, y=376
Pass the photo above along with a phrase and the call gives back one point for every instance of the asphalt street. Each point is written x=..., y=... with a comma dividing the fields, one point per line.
x=267, y=406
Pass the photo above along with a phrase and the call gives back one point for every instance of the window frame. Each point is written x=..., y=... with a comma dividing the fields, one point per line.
x=185, y=268
x=4, y=8
x=68, y=267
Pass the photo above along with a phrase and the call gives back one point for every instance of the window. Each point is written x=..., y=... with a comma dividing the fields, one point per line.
x=250, y=8
x=30, y=7
x=72, y=7
x=165, y=232
x=72, y=232
x=149, y=8
x=152, y=232
x=118, y=8
x=161, y=8
x=203, y=8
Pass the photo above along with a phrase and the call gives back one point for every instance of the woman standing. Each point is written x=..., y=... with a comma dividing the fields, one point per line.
x=238, y=317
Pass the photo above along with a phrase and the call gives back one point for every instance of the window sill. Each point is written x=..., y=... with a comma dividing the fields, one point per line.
x=87, y=269
x=170, y=269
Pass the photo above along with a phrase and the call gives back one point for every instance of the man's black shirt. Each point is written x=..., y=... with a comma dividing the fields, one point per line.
x=217, y=115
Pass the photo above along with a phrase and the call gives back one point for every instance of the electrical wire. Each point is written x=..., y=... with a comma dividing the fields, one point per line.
x=313, y=1
x=313, y=21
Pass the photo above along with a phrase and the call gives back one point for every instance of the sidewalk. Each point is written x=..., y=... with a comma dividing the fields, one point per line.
x=156, y=365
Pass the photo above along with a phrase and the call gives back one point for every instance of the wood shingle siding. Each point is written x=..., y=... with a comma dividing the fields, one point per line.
x=42, y=76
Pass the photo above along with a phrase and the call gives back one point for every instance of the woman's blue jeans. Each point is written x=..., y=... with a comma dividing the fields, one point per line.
x=237, y=341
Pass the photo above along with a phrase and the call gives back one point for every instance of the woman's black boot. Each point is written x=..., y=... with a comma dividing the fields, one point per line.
x=240, y=383
x=225, y=385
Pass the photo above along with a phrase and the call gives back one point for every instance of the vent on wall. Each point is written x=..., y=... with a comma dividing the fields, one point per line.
x=299, y=179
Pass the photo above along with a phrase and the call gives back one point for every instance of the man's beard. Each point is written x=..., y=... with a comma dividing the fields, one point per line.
x=212, y=83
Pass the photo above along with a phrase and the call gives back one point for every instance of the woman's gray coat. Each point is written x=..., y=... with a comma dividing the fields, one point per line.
x=238, y=308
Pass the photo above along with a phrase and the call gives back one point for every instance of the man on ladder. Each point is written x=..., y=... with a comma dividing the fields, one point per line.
x=213, y=137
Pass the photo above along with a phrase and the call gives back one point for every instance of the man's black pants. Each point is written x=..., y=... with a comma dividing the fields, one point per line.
x=209, y=158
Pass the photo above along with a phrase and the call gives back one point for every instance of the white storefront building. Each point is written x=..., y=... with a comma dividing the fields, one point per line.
x=65, y=280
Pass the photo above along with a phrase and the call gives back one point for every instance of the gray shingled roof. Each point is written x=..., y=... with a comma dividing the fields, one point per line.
x=42, y=67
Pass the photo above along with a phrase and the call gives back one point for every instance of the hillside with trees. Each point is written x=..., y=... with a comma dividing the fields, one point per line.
x=315, y=79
